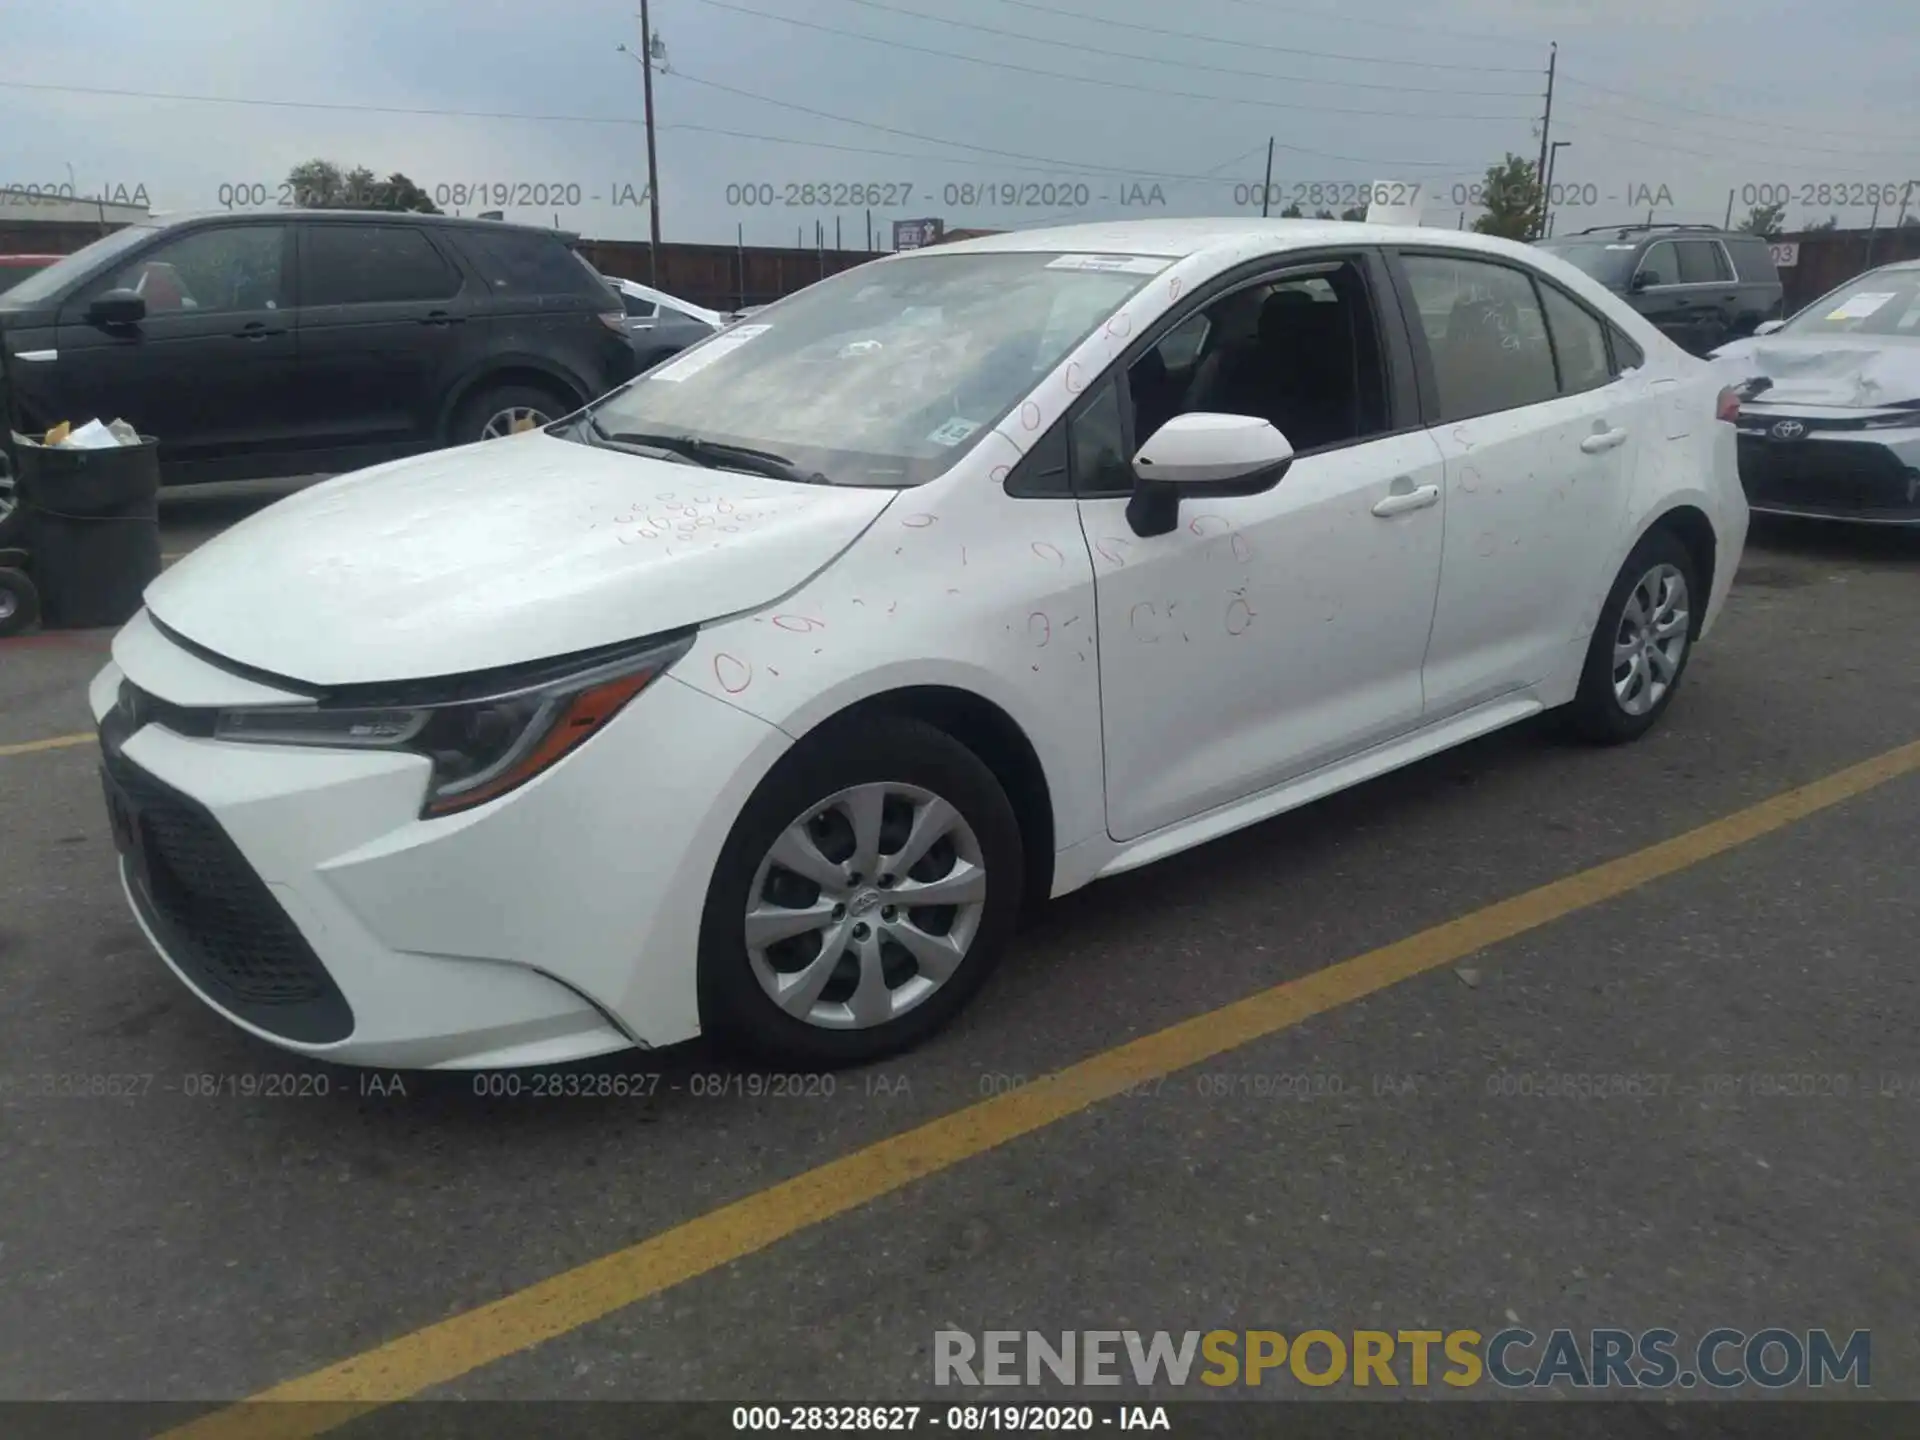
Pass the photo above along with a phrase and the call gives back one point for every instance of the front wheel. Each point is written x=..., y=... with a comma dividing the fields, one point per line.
x=502, y=410
x=1642, y=644
x=866, y=891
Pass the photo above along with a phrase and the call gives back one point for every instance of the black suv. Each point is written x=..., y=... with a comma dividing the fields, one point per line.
x=1700, y=284
x=296, y=342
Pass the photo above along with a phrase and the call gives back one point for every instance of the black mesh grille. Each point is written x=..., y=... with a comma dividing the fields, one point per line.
x=1837, y=476
x=219, y=921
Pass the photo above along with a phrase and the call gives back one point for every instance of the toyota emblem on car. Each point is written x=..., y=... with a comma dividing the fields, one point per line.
x=1788, y=430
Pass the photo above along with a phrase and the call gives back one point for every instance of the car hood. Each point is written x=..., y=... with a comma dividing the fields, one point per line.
x=1866, y=372
x=497, y=554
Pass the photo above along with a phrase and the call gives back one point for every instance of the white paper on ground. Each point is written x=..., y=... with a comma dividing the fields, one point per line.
x=718, y=348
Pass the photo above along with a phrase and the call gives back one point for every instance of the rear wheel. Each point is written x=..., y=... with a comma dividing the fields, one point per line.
x=1641, y=646
x=19, y=603
x=865, y=893
x=496, y=411
x=13, y=520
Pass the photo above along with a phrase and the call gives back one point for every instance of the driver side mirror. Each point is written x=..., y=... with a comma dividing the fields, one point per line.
x=117, y=307
x=1767, y=327
x=1641, y=280
x=1203, y=456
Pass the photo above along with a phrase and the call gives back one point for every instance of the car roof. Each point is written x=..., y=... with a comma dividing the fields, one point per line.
x=1179, y=239
x=384, y=217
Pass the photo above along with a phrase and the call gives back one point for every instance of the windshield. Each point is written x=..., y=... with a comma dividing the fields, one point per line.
x=886, y=374
x=1608, y=262
x=1883, y=304
x=45, y=284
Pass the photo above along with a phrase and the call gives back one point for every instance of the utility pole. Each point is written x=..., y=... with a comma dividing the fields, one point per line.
x=1266, y=187
x=1906, y=193
x=1546, y=130
x=1727, y=224
x=653, y=163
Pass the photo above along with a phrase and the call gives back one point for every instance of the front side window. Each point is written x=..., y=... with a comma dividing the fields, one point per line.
x=1659, y=266
x=886, y=374
x=231, y=268
x=372, y=264
x=638, y=309
x=1485, y=334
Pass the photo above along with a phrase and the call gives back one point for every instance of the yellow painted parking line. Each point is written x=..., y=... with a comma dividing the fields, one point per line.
x=54, y=742
x=450, y=1348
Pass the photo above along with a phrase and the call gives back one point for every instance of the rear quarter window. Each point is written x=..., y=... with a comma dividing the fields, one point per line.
x=518, y=265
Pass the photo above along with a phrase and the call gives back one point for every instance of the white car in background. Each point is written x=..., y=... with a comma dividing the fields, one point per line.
x=759, y=697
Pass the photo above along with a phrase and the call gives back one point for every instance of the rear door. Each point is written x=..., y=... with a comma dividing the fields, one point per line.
x=1539, y=435
x=385, y=318
x=209, y=370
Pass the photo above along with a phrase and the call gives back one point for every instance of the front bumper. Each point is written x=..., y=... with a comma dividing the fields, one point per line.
x=299, y=894
x=1867, y=477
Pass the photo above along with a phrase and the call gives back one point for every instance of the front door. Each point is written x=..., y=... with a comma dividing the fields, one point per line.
x=384, y=318
x=209, y=371
x=1539, y=436
x=1267, y=635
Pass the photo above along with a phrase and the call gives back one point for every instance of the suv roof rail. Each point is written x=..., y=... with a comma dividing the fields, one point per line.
x=1655, y=225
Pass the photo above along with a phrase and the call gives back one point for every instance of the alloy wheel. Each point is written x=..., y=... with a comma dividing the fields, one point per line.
x=511, y=420
x=1655, y=629
x=865, y=905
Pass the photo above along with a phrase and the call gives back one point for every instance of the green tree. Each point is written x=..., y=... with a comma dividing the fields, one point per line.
x=1764, y=220
x=323, y=185
x=1512, y=200
x=1323, y=214
x=1292, y=212
x=1357, y=212
x=1832, y=222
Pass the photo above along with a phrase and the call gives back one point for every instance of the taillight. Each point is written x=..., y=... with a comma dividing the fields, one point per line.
x=1728, y=409
x=614, y=320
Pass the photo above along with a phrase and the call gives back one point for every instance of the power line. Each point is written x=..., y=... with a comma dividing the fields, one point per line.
x=1238, y=44
x=1344, y=18
x=1087, y=80
x=317, y=104
x=1723, y=115
x=1669, y=148
x=911, y=135
x=1765, y=143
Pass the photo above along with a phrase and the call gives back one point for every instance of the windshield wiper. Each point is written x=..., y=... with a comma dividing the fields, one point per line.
x=716, y=454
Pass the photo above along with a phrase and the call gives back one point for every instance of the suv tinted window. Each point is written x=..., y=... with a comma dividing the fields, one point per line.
x=1579, y=343
x=371, y=264
x=1485, y=334
x=520, y=263
x=230, y=268
x=1701, y=262
x=1660, y=266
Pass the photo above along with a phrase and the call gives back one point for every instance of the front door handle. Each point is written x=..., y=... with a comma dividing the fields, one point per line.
x=1402, y=501
x=1603, y=440
x=441, y=317
x=255, y=330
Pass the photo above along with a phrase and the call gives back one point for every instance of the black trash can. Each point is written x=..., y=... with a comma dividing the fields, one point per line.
x=91, y=531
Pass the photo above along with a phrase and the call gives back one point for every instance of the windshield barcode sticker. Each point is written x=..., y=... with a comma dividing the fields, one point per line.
x=1859, y=307
x=1114, y=264
x=953, y=432
x=718, y=348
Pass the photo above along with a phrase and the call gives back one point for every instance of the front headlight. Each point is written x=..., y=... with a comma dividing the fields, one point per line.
x=480, y=747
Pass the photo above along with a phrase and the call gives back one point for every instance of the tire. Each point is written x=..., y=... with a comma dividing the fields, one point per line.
x=915, y=761
x=1599, y=714
x=19, y=603
x=491, y=402
x=13, y=516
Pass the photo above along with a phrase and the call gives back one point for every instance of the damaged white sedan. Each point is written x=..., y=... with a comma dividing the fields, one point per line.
x=1830, y=404
x=759, y=696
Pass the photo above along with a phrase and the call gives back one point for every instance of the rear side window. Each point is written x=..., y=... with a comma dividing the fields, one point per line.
x=639, y=309
x=1579, y=343
x=1702, y=262
x=372, y=265
x=1485, y=334
x=1752, y=260
x=517, y=264
x=1626, y=355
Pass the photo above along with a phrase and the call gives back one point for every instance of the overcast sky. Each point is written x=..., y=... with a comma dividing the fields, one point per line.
x=1669, y=102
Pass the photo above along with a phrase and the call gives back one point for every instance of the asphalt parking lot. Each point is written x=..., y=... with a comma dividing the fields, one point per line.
x=1375, y=1156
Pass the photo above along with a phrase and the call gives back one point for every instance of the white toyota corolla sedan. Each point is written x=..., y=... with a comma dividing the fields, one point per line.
x=757, y=698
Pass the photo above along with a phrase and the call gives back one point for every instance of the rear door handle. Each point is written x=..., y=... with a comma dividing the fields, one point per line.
x=441, y=317
x=255, y=330
x=1402, y=501
x=1602, y=441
